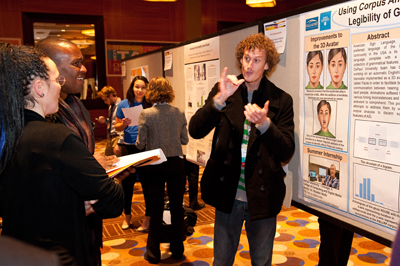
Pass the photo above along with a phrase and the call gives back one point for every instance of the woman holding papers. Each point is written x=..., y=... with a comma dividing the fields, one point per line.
x=134, y=98
x=164, y=126
x=49, y=179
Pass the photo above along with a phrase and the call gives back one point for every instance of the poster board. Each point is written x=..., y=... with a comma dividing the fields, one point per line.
x=150, y=62
x=289, y=75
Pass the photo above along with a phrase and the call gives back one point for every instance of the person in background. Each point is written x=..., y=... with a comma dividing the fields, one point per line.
x=315, y=64
x=395, y=257
x=192, y=173
x=254, y=135
x=164, y=126
x=335, y=246
x=109, y=96
x=331, y=180
x=71, y=112
x=135, y=96
x=89, y=92
x=48, y=174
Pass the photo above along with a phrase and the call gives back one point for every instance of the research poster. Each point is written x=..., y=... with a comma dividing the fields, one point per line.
x=202, y=71
x=350, y=111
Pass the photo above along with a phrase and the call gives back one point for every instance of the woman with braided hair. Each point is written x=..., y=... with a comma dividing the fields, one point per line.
x=47, y=173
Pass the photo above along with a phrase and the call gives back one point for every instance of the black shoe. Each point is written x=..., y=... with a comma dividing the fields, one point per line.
x=198, y=206
x=151, y=260
x=177, y=257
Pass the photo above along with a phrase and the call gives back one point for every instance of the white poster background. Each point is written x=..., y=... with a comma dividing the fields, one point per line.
x=276, y=31
x=364, y=116
x=200, y=79
x=202, y=71
x=202, y=51
x=168, y=60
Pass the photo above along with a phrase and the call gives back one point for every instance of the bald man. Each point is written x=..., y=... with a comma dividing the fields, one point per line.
x=72, y=113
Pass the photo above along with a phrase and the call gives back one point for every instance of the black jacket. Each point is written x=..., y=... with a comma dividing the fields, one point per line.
x=265, y=188
x=46, y=184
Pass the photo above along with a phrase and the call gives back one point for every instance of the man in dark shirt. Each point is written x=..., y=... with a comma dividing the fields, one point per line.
x=72, y=113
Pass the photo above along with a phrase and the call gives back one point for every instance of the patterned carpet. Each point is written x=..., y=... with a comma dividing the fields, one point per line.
x=296, y=241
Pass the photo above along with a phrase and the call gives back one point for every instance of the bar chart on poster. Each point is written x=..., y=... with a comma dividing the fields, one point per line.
x=376, y=186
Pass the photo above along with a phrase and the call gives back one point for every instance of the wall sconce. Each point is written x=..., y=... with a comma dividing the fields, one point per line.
x=261, y=3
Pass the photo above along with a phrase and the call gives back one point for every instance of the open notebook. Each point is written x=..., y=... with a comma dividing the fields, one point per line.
x=156, y=156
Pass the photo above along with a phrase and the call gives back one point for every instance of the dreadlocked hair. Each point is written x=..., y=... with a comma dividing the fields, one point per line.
x=19, y=66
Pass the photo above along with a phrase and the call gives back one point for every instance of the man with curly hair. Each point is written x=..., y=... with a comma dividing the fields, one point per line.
x=254, y=135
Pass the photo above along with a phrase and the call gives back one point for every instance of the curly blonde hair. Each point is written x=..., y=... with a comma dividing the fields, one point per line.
x=159, y=91
x=262, y=43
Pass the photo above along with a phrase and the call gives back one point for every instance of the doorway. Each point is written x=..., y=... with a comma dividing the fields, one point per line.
x=39, y=25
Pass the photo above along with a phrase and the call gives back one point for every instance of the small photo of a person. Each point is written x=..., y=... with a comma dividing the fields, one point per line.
x=331, y=180
x=337, y=63
x=315, y=65
x=324, y=113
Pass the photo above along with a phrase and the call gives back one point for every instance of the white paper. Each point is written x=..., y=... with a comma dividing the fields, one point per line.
x=133, y=114
x=123, y=69
x=276, y=31
x=287, y=202
x=205, y=50
x=167, y=60
x=128, y=159
x=167, y=217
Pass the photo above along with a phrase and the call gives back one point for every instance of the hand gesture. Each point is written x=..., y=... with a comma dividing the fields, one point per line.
x=88, y=206
x=228, y=84
x=101, y=119
x=255, y=114
x=126, y=121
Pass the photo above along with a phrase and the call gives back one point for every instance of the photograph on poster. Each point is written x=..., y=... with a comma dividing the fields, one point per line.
x=200, y=72
x=325, y=172
x=325, y=118
x=321, y=179
x=337, y=68
x=314, y=67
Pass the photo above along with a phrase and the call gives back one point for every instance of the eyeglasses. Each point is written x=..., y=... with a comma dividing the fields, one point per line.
x=60, y=80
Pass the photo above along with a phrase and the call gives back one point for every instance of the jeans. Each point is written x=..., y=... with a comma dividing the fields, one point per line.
x=227, y=231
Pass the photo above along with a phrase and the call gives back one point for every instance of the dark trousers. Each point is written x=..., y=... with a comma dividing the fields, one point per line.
x=335, y=244
x=192, y=173
x=171, y=172
x=130, y=180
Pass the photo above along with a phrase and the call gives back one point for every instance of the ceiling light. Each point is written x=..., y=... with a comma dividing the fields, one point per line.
x=63, y=30
x=83, y=42
x=160, y=0
x=89, y=32
x=261, y=3
x=93, y=57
